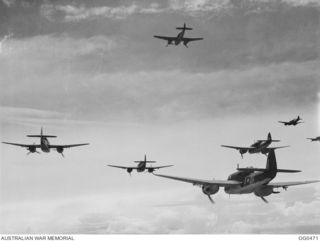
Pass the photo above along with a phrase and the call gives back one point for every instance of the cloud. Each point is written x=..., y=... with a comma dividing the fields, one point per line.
x=77, y=12
x=99, y=214
x=3, y=40
x=62, y=46
x=73, y=13
x=213, y=8
x=88, y=90
x=234, y=36
x=10, y=112
x=302, y=2
x=9, y=3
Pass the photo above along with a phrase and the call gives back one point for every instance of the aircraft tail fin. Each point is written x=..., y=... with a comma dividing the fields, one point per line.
x=272, y=164
x=184, y=27
x=145, y=160
x=41, y=135
x=269, y=138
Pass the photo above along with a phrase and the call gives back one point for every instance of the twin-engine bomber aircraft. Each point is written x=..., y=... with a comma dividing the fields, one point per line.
x=141, y=167
x=257, y=147
x=314, y=139
x=293, y=122
x=180, y=37
x=45, y=146
x=246, y=180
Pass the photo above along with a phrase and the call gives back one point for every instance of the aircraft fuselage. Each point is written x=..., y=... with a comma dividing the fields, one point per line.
x=141, y=167
x=45, y=145
x=252, y=181
x=293, y=122
x=315, y=139
x=179, y=38
x=259, y=146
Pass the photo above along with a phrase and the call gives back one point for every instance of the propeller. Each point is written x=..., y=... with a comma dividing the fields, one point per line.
x=35, y=149
x=263, y=199
x=211, y=200
x=62, y=154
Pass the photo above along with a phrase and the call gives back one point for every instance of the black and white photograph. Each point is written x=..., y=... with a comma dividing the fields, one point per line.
x=159, y=117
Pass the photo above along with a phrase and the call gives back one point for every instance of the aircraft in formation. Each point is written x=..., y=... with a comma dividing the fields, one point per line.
x=246, y=180
x=44, y=145
x=293, y=122
x=179, y=38
x=260, y=146
x=243, y=181
x=314, y=139
x=141, y=166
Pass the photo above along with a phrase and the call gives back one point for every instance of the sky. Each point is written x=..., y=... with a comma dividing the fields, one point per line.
x=90, y=71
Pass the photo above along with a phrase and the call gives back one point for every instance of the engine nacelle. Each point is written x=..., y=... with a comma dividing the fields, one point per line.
x=210, y=189
x=59, y=149
x=150, y=170
x=264, y=151
x=263, y=191
x=32, y=149
x=242, y=151
x=129, y=170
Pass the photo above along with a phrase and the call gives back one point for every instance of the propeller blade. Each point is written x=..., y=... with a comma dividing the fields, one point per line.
x=28, y=153
x=265, y=200
x=211, y=200
x=62, y=154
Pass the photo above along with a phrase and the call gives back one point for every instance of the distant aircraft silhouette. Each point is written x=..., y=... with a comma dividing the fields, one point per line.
x=44, y=145
x=293, y=122
x=179, y=38
x=260, y=146
x=141, y=167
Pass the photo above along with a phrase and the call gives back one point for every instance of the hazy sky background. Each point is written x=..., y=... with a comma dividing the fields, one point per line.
x=90, y=71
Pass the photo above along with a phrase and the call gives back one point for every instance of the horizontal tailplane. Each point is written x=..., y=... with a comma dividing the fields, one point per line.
x=249, y=169
x=146, y=161
x=46, y=136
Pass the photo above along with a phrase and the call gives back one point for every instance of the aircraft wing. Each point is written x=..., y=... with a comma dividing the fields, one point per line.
x=165, y=38
x=187, y=40
x=239, y=148
x=68, y=146
x=201, y=182
x=274, y=148
x=122, y=167
x=288, y=184
x=158, y=167
x=283, y=122
x=22, y=145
